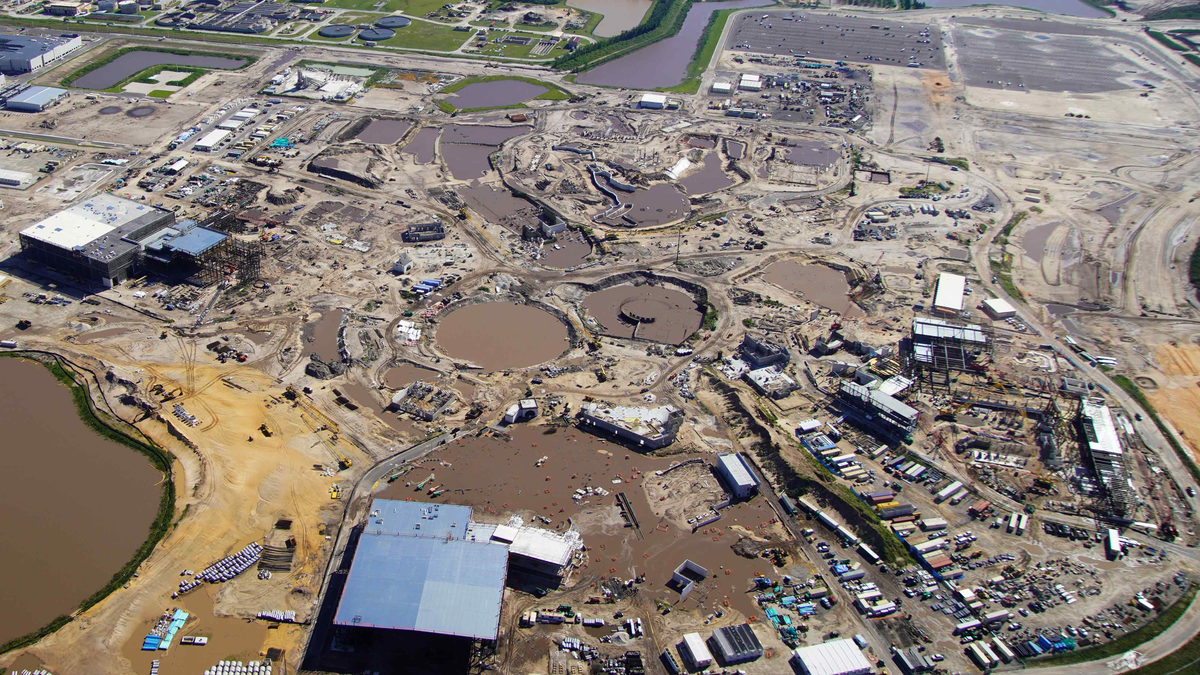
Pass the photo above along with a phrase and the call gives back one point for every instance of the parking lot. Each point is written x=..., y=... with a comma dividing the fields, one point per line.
x=835, y=38
x=1005, y=59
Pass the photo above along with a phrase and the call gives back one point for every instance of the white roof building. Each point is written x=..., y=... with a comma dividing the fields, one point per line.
x=836, y=657
x=998, y=308
x=1099, y=429
x=733, y=469
x=693, y=649
x=719, y=87
x=948, y=296
x=211, y=140
x=653, y=101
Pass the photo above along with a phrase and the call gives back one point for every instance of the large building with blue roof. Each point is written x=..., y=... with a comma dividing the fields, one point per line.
x=428, y=568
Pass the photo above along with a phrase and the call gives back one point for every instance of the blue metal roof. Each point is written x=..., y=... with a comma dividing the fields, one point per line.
x=418, y=519
x=197, y=241
x=39, y=96
x=428, y=584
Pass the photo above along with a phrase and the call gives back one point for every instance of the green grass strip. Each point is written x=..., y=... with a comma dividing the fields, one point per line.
x=160, y=459
x=1126, y=642
x=1166, y=41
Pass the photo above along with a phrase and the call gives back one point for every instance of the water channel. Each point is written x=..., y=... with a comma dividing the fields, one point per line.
x=75, y=506
x=664, y=63
x=132, y=63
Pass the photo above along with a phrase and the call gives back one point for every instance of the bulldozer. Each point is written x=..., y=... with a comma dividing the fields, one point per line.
x=266, y=430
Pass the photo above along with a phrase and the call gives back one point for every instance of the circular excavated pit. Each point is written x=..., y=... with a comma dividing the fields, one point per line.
x=1145, y=382
x=377, y=34
x=649, y=313
x=816, y=283
x=393, y=22
x=336, y=31
x=502, y=335
x=110, y=110
x=142, y=111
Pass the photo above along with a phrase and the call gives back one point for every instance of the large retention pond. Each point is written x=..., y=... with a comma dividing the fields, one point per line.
x=495, y=93
x=662, y=64
x=619, y=15
x=74, y=508
x=500, y=335
x=132, y=63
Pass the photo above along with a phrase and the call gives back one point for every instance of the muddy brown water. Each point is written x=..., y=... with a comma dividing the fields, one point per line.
x=657, y=205
x=570, y=252
x=229, y=638
x=131, y=63
x=494, y=204
x=422, y=145
x=701, y=142
x=476, y=133
x=501, y=335
x=498, y=477
x=326, y=331
x=467, y=162
x=709, y=178
x=664, y=63
x=675, y=314
x=384, y=132
x=399, y=377
x=619, y=15
x=817, y=283
x=495, y=93
x=812, y=154
x=74, y=508
x=365, y=399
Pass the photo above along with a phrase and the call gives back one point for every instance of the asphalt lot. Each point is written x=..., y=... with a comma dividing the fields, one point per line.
x=837, y=38
x=1041, y=62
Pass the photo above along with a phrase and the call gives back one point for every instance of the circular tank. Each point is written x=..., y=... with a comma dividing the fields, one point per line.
x=377, y=34
x=336, y=31
x=393, y=22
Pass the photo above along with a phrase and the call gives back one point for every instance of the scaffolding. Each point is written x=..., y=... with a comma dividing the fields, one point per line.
x=231, y=258
x=937, y=349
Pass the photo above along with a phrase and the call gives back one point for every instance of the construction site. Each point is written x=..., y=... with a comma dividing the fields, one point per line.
x=856, y=353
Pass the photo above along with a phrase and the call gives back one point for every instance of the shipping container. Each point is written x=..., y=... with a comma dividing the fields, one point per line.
x=867, y=553
x=947, y=492
x=932, y=524
x=966, y=626
x=853, y=575
x=1022, y=523
x=1003, y=651
x=959, y=496
x=1012, y=523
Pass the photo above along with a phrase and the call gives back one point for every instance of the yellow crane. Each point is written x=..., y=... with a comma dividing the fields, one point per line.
x=321, y=423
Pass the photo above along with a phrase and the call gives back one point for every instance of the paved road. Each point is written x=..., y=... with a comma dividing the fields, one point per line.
x=50, y=138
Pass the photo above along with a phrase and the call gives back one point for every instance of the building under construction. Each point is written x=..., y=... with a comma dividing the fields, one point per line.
x=938, y=348
x=1099, y=443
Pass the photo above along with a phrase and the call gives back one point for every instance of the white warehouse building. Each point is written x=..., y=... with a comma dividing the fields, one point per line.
x=949, y=293
x=737, y=475
x=836, y=657
x=27, y=53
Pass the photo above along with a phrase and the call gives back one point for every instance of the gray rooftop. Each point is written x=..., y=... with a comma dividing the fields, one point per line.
x=425, y=584
x=418, y=519
x=28, y=46
x=197, y=241
x=38, y=95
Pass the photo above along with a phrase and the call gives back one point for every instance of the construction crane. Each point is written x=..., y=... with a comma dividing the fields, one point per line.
x=320, y=422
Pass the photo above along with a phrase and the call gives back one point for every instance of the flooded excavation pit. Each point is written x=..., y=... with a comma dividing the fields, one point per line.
x=499, y=205
x=467, y=162
x=702, y=142
x=619, y=15
x=649, y=313
x=142, y=111
x=384, y=132
x=497, y=477
x=422, y=145
x=735, y=149
x=110, y=110
x=75, y=508
x=495, y=93
x=134, y=62
x=568, y=251
x=325, y=334
x=822, y=285
x=709, y=178
x=812, y=154
x=399, y=377
x=649, y=207
x=502, y=335
x=487, y=135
